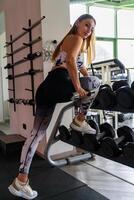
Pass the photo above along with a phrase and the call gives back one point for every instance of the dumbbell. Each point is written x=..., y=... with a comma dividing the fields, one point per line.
x=113, y=147
x=92, y=141
x=125, y=96
x=32, y=56
x=18, y=101
x=11, y=100
x=28, y=101
x=32, y=72
x=128, y=151
x=70, y=136
x=10, y=77
x=31, y=102
x=105, y=98
x=118, y=84
x=64, y=133
x=8, y=66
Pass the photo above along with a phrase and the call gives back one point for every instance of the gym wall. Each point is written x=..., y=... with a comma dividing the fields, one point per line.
x=55, y=26
x=17, y=13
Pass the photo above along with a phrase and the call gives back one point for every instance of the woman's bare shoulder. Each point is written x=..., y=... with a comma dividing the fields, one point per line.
x=74, y=38
x=72, y=41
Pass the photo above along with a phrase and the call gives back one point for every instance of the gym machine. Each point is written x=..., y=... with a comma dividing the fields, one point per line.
x=87, y=142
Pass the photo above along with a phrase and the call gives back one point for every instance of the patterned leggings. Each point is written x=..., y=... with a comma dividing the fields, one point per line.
x=41, y=122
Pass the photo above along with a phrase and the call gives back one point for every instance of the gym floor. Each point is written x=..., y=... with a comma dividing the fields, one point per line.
x=99, y=178
x=111, y=179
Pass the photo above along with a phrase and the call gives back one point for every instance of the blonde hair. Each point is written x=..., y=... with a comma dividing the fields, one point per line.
x=88, y=43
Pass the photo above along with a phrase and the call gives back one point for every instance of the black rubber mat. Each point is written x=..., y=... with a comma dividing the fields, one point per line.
x=82, y=193
x=50, y=182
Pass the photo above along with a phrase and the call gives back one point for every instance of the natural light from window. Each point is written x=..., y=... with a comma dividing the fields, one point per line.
x=126, y=52
x=75, y=11
x=125, y=23
x=104, y=21
x=104, y=50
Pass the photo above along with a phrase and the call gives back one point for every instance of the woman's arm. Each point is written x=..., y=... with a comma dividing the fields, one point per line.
x=72, y=46
x=84, y=71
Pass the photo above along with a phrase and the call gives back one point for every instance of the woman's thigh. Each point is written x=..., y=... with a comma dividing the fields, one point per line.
x=90, y=83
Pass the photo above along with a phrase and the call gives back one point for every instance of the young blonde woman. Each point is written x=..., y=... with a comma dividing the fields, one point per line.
x=59, y=86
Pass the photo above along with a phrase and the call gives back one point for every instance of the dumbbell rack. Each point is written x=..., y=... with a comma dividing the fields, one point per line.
x=30, y=57
x=107, y=67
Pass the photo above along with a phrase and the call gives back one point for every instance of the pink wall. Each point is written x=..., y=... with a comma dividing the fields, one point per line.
x=17, y=13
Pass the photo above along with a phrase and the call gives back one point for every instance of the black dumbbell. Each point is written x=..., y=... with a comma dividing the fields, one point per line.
x=54, y=42
x=113, y=147
x=64, y=134
x=118, y=84
x=8, y=66
x=125, y=96
x=11, y=100
x=70, y=136
x=76, y=137
x=128, y=151
x=132, y=85
x=25, y=101
x=92, y=141
x=32, y=56
x=31, y=102
x=10, y=77
x=105, y=98
x=18, y=101
x=94, y=125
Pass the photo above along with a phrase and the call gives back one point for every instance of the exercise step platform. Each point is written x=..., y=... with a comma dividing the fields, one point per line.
x=11, y=144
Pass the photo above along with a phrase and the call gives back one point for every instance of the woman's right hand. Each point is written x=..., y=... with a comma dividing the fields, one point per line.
x=82, y=92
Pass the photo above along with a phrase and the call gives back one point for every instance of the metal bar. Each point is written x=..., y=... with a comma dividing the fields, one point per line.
x=34, y=25
x=27, y=73
x=31, y=61
x=33, y=42
x=24, y=32
x=12, y=60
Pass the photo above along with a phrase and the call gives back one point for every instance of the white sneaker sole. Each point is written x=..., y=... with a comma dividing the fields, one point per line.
x=20, y=194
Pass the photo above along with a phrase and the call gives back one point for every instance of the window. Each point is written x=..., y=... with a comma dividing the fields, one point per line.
x=104, y=50
x=115, y=35
x=104, y=21
x=125, y=32
x=125, y=23
x=75, y=11
x=126, y=52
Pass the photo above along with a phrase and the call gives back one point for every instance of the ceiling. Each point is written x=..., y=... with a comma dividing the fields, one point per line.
x=114, y=3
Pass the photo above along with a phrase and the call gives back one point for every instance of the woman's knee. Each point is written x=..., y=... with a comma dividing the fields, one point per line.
x=90, y=83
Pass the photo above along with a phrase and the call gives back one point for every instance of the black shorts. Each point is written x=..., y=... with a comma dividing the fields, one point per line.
x=56, y=88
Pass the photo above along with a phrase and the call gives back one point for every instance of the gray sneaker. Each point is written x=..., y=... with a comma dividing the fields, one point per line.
x=24, y=191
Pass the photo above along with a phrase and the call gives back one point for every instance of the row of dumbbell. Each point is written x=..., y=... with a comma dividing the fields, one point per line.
x=30, y=56
x=22, y=101
x=113, y=147
x=30, y=72
x=110, y=145
x=120, y=94
x=89, y=142
x=104, y=139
